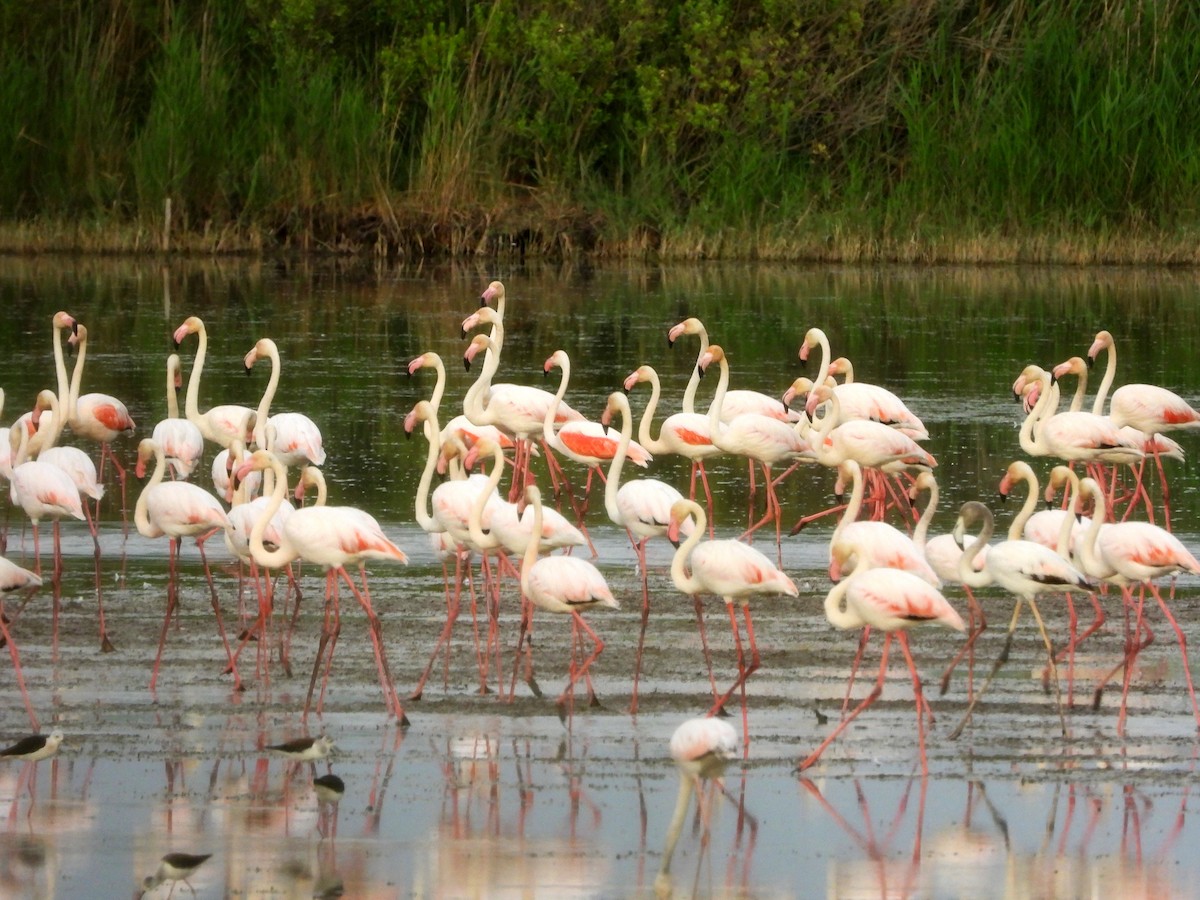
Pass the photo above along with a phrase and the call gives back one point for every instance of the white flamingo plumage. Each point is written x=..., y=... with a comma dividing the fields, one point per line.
x=892, y=601
x=181, y=440
x=219, y=424
x=179, y=509
x=735, y=572
x=292, y=436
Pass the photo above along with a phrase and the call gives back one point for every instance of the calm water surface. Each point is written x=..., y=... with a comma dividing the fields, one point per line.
x=478, y=798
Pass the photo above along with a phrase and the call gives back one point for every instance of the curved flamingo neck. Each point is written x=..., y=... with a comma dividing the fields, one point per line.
x=1016, y=531
x=1110, y=373
x=535, y=540
x=141, y=514
x=1036, y=446
x=612, y=485
x=921, y=531
x=836, y=610
x=439, y=385
x=284, y=554
x=484, y=540
x=1081, y=391
x=823, y=369
x=191, y=400
x=966, y=563
x=552, y=409
x=433, y=436
x=715, y=426
x=174, y=368
x=825, y=453
x=70, y=412
x=689, y=394
x=268, y=397
x=60, y=370
x=653, y=444
x=854, y=505
x=473, y=405
x=684, y=580
x=1086, y=550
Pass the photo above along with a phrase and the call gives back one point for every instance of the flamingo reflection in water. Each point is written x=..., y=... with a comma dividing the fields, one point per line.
x=881, y=871
x=702, y=748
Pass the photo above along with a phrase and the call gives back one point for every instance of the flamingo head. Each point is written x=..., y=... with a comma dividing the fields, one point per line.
x=617, y=403
x=425, y=360
x=687, y=326
x=484, y=316
x=1102, y=341
x=493, y=292
x=812, y=338
x=841, y=366
x=421, y=412
x=175, y=370
x=1060, y=477
x=65, y=320
x=191, y=325
x=483, y=447
x=557, y=360
x=637, y=376
x=264, y=348
x=800, y=388
x=816, y=397
x=146, y=451
x=78, y=337
x=713, y=353
x=478, y=344
x=531, y=495
x=925, y=481
x=46, y=399
x=1073, y=366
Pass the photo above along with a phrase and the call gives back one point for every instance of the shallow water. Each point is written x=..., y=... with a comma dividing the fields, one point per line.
x=482, y=798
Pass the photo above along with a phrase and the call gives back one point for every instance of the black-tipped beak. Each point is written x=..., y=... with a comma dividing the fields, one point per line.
x=466, y=364
x=1091, y=361
x=675, y=543
x=1003, y=497
x=1016, y=396
x=1053, y=379
x=249, y=369
x=482, y=300
x=700, y=371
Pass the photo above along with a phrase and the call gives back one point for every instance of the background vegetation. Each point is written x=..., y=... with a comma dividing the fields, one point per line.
x=820, y=129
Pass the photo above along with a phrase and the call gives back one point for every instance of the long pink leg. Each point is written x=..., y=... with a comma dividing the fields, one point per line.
x=452, y=611
x=391, y=698
x=858, y=656
x=918, y=697
x=639, y=547
x=973, y=633
x=16, y=661
x=867, y=701
x=567, y=695
x=1179, y=636
x=326, y=634
x=707, y=654
x=172, y=599
x=216, y=605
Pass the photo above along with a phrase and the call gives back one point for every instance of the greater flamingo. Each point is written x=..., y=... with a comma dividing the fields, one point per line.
x=891, y=600
x=684, y=434
x=331, y=537
x=1148, y=408
x=733, y=571
x=1022, y=568
x=98, y=417
x=181, y=440
x=642, y=508
x=219, y=424
x=294, y=437
x=760, y=438
x=459, y=425
x=564, y=585
x=179, y=509
x=1135, y=553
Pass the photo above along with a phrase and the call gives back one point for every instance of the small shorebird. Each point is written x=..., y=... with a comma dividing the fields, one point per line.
x=35, y=747
x=304, y=749
x=329, y=788
x=174, y=867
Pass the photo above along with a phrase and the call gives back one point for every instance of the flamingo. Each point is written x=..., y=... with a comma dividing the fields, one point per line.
x=82, y=471
x=331, y=537
x=181, y=440
x=179, y=509
x=684, y=434
x=891, y=600
x=1135, y=553
x=14, y=578
x=702, y=749
x=460, y=425
x=1148, y=408
x=859, y=399
x=759, y=438
x=98, y=417
x=223, y=465
x=517, y=409
x=296, y=439
x=733, y=571
x=943, y=553
x=43, y=491
x=1022, y=568
x=448, y=512
x=49, y=428
x=642, y=508
x=564, y=585
x=509, y=530
x=219, y=424
x=587, y=443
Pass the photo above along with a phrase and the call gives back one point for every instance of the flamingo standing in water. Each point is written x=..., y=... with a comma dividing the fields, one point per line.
x=13, y=578
x=460, y=425
x=565, y=585
x=98, y=417
x=293, y=437
x=1023, y=568
x=1135, y=553
x=759, y=438
x=1148, y=408
x=181, y=440
x=733, y=571
x=891, y=600
x=179, y=509
x=219, y=424
x=331, y=537
x=642, y=508
x=684, y=434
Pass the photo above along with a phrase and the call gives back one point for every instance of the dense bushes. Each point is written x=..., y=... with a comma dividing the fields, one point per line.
x=825, y=128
